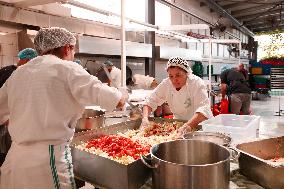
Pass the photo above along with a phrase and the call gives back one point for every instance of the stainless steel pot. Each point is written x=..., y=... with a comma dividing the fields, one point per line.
x=218, y=138
x=189, y=164
x=91, y=119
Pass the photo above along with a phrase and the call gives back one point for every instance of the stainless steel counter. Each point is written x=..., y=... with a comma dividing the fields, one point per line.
x=237, y=181
x=267, y=129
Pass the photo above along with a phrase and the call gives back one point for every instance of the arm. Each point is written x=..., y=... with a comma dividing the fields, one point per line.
x=88, y=90
x=201, y=105
x=158, y=97
x=223, y=84
x=4, y=110
x=146, y=111
x=223, y=90
x=194, y=121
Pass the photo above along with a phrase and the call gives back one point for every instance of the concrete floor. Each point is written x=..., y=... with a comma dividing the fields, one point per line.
x=270, y=125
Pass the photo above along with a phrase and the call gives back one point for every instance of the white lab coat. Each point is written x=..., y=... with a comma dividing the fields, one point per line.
x=45, y=97
x=115, y=75
x=142, y=81
x=184, y=103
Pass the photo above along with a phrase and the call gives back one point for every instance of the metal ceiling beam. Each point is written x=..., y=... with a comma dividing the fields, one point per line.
x=251, y=10
x=268, y=29
x=236, y=23
x=267, y=26
x=260, y=22
x=169, y=4
x=30, y=3
x=224, y=3
x=234, y=5
x=254, y=17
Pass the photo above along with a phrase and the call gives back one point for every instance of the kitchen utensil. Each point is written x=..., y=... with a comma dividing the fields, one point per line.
x=91, y=119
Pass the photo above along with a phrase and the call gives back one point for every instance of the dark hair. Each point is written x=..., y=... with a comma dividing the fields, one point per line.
x=56, y=52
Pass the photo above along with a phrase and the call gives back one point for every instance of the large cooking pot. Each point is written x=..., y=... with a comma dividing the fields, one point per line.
x=217, y=138
x=91, y=119
x=189, y=164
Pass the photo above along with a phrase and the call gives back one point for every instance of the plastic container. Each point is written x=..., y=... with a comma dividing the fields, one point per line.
x=256, y=70
x=236, y=126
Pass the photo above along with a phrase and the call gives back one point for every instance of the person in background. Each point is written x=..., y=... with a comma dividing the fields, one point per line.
x=114, y=73
x=43, y=101
x=24, y=56
x=144, y=82
x=77, y=61
x=185, y=93
x=242, y=69
x=235, y=85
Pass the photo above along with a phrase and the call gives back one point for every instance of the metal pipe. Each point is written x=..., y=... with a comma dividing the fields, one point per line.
x=212, y=4
x=209, y=68
x=123, y=49
x=169, y=4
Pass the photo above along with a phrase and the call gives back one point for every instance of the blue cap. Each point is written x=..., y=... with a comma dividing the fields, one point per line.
x=78, y=61
x=108, y=63
x=224, y=68
x=27, y=53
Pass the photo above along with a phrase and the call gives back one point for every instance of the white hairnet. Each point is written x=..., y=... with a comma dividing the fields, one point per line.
x=179, y=62
x=51, y=38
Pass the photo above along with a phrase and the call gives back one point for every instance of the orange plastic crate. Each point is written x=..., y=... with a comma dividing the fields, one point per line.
x=256, y=70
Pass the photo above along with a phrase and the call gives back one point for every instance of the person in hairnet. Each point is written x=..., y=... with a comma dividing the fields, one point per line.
x=115, y=74
x=185, y=93
x=43, y=100
x=5, y=140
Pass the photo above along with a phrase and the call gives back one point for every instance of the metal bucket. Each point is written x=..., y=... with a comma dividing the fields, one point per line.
x=189, y=164
x=91, y=119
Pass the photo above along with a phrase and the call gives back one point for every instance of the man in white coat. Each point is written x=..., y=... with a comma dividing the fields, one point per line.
x=43, y=100
x=185, y=94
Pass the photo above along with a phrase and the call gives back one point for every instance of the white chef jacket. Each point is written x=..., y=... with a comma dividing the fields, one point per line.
x=115, y=75
x=45, y=97
x=142, y=81
x=191, y=98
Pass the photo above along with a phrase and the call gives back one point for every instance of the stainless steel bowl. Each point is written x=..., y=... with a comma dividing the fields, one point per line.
x=217, y=138
x=91, y=119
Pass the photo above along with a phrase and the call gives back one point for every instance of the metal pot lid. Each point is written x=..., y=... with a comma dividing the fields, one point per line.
x=217, y=138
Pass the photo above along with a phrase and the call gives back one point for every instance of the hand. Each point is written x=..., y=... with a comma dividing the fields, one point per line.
x=124, y=92
x=144, y=124
x=121, y=104
x=184, y=129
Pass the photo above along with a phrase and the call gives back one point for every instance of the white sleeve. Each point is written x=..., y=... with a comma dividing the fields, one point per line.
x=88, y=90
x=4, y=110
x=202, y=102
x=157, y=97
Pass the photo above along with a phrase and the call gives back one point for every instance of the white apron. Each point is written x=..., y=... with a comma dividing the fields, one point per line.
x=38, y=166
x=181, y=103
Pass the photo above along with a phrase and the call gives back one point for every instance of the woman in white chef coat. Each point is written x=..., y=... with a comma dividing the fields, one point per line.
x=43, y=100
x=185, y=93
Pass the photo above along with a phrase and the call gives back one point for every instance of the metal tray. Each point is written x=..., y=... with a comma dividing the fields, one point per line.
x=105, y=172
x=253, y=165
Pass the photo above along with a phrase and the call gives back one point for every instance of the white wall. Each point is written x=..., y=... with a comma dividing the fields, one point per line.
x=8, y=50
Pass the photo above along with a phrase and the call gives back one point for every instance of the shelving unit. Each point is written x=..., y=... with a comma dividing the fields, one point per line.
x=277, y=85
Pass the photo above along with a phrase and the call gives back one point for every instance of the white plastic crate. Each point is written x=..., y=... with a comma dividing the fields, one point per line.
x=237, y=126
